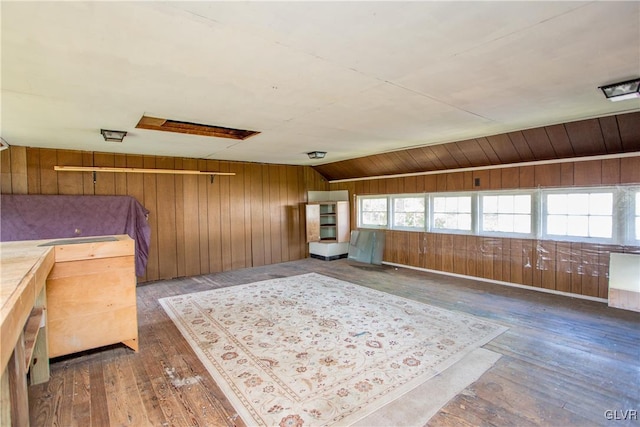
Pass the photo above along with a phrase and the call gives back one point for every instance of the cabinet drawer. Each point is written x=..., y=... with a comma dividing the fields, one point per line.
x=81, y=332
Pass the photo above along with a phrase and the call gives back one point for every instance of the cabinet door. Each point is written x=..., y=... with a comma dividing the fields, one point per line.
x=313, y=222
x=343, y=232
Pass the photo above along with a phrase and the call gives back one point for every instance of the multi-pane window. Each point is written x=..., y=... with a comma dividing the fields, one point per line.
x=452, y=213
x=373, y=212
x=604, y=214
x=408, y=212
x=580, y=214
x=508, y=213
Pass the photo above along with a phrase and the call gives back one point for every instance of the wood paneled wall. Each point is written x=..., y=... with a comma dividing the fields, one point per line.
x=578, y=268
x=597, y=136
x=257, y=217
x=253, y=218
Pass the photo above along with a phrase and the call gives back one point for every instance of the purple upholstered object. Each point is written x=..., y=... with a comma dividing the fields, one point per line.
x=34, y=217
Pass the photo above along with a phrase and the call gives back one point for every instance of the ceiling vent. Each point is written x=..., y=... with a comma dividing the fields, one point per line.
x=154, y=123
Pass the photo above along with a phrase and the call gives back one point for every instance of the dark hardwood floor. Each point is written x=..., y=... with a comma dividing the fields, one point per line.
x=564, y=361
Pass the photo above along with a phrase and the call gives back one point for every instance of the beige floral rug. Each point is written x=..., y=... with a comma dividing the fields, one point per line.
x=314, y=350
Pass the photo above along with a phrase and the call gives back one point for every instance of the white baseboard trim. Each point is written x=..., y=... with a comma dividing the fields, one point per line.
x=499, y=282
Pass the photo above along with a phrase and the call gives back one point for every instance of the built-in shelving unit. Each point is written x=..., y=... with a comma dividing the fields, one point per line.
x=328, y=227
x=328, y=222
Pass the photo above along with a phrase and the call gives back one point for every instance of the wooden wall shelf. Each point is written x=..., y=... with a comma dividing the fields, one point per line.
x=136, y=170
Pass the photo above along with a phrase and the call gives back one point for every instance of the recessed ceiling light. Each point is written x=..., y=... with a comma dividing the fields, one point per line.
x=623, y=90
x=317, y=154
x=113, y=135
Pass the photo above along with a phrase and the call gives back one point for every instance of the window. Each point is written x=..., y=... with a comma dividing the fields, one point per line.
x=580, y=214
x=608, y=215
x=452, y=213
x=408, y=212
x=373, y=212
x=508, y=213
x=637, y=222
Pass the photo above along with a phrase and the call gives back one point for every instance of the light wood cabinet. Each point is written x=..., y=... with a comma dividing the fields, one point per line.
x=91, y=292
x=328, y=222
x=58, y=297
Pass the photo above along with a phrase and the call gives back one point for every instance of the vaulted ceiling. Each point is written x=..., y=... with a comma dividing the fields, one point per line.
x=355, y=79
x=592, y=137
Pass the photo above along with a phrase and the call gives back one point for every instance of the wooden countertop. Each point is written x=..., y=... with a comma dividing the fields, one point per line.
x=24, y=267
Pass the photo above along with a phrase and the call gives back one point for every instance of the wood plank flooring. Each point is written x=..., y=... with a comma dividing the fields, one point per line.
x=564, y=361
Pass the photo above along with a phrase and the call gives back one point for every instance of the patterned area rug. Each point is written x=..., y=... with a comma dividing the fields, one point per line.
x=313, y=350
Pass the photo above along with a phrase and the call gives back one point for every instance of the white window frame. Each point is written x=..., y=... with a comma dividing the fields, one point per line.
x=392, y=211
x=360, y=212
x=431, y=219
x=615, y=234
x=533, y=215
x=632, y=216
x=623, y=213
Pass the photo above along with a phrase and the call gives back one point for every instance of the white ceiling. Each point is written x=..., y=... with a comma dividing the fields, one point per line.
x=350, y=78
